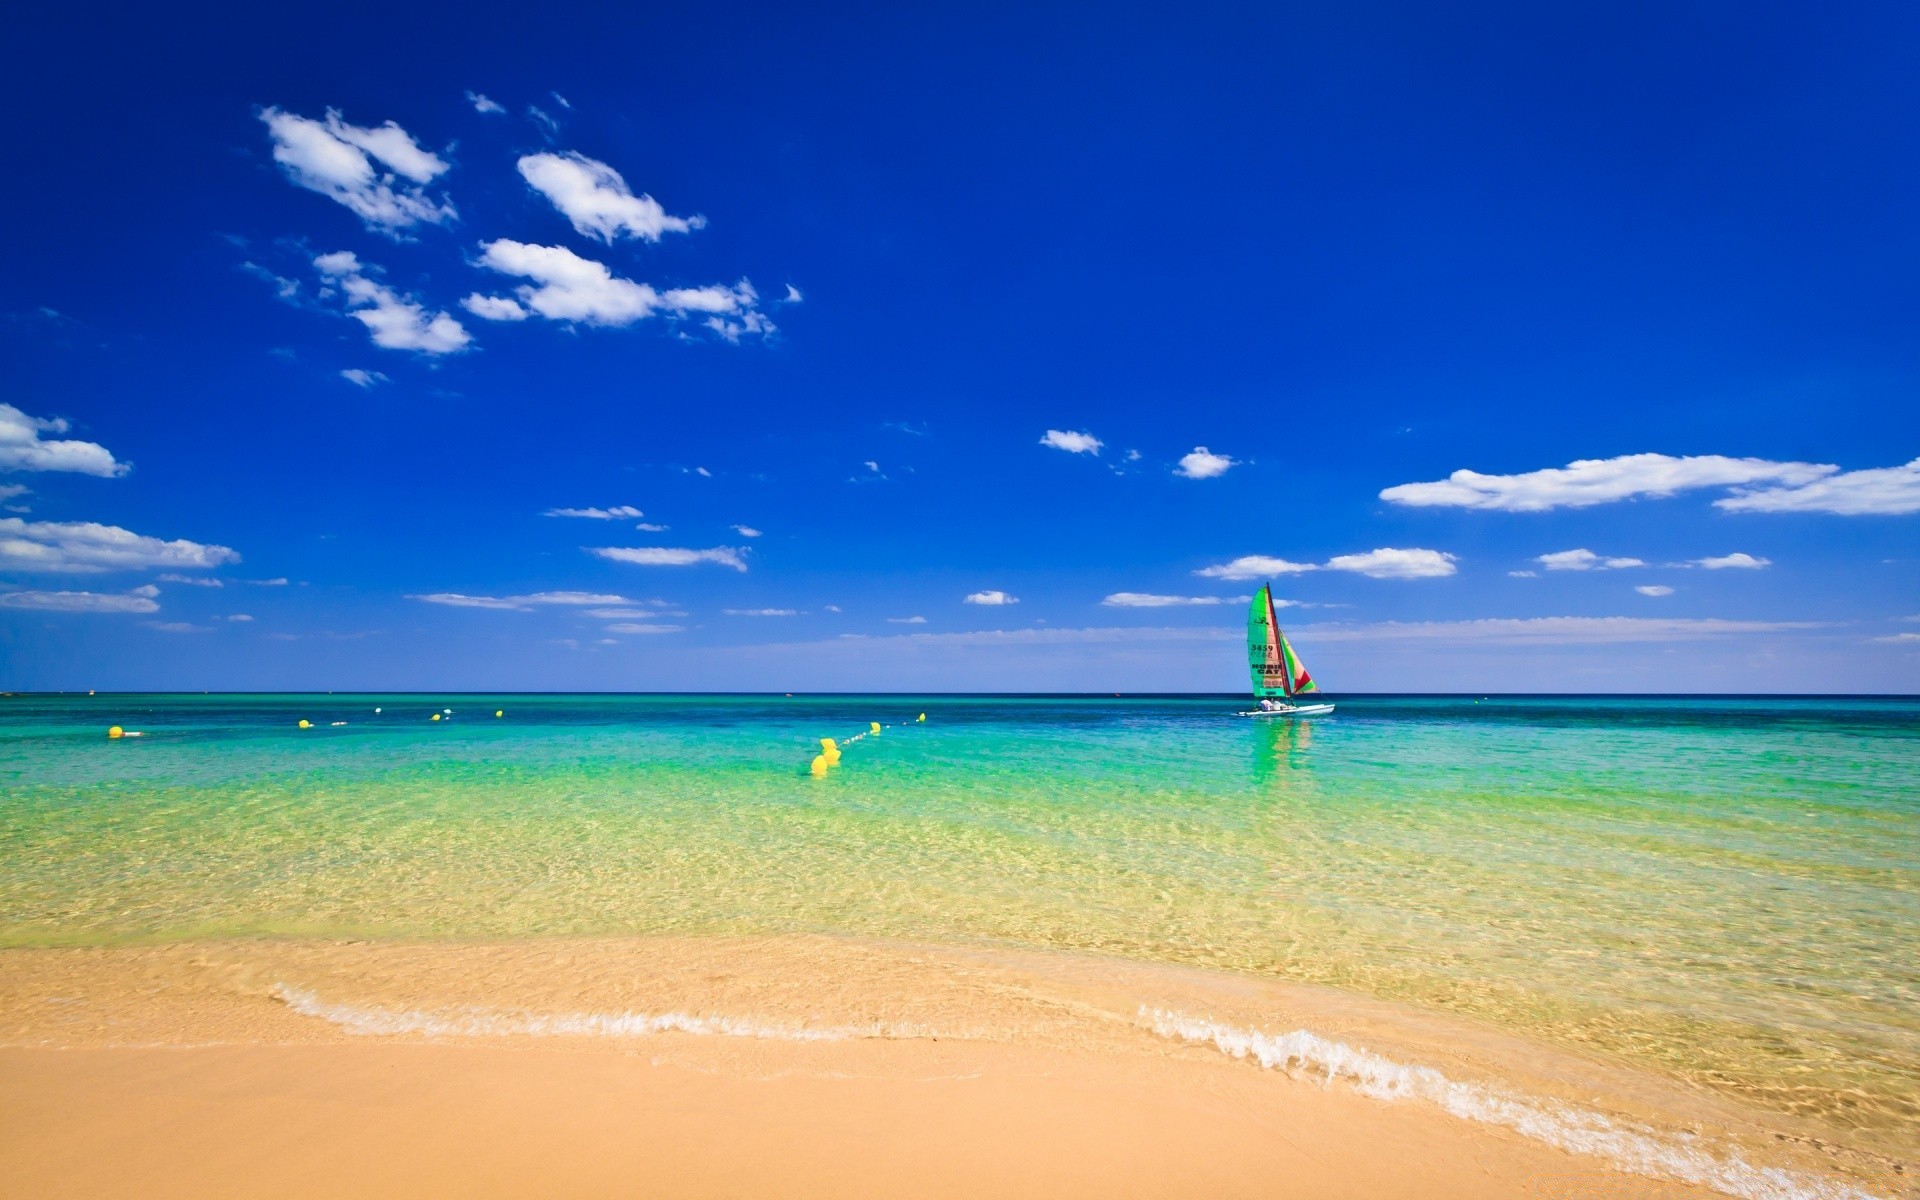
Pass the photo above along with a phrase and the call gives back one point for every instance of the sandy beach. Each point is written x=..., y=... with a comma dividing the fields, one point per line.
x=806, y=1066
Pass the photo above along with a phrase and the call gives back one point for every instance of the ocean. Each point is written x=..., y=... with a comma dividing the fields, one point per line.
x=1724, y=891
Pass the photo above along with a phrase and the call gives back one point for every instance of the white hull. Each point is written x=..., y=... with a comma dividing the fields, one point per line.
x=1297, y=710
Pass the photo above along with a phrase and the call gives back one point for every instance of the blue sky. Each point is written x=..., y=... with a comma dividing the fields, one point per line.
x=847, y=321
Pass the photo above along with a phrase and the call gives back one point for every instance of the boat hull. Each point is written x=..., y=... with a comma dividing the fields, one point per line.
x=1298, y=710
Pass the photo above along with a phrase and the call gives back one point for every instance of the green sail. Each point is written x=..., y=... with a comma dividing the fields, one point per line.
x=1266, y=658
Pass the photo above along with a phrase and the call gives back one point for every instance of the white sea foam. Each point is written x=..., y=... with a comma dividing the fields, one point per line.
x=1631, y=1148
x=480, y=1022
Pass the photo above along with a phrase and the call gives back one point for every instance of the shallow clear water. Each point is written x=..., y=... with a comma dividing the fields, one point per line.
x=1724, y=889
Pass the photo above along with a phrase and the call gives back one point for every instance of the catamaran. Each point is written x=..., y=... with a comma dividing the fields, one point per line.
x=1278, y=676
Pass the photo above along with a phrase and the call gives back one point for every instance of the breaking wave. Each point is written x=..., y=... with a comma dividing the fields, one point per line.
x=1631, y=1148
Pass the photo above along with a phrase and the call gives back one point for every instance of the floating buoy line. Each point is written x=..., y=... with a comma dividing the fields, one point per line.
x=829, y=756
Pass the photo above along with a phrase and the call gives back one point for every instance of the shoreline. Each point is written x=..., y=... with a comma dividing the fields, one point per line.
x=802, y=1044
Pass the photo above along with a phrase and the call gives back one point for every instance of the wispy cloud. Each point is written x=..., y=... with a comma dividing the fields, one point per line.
x=1202, y=463
x=1736, y=560
x=23, y=448
x=906, y=620
x=1584, y=560
x=1150, y=600
x=594, y=197
x=746, y=531
x=645, y=628
x=396, y=322
x=524, y=603
x=617, y=512
x=138, y=601
x=205, y=581
x=336, y=159
x=1900, y=639
x=360, y=378
x=1385, y=563
x=1552, y=630
x=671, y=556
x=1654, y=589
x=1882, y=491
x=761, y=612
x=990, y=598
x=83, y=546
x=483, y=105
x=1071, y=442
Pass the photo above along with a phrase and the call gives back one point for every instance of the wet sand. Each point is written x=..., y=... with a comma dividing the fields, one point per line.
x=783, y=1067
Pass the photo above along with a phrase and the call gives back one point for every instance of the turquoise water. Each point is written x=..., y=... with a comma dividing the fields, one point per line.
x=1727, y=890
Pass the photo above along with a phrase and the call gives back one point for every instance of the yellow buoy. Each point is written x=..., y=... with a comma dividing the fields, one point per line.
x=820, y=764
x=499, y=712
x=305, y=724
x=436, y=716
x=116, y=731
x=922, y=718
x=873, y=727
x=830, y=750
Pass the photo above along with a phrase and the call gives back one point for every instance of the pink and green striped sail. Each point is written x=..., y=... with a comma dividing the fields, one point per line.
x=1276, y=669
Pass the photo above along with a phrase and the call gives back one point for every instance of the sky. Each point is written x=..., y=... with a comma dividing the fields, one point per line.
x=961, y=347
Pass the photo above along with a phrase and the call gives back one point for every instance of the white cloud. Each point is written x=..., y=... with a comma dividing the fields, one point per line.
x=645, y=628
x=671, y=556
x=1882, y=491
x=567, y=287
x=760, y=612
x=1385, y=563
x=596, y=199
x=793, y=295
x=396, y=322
x=88, y=602
x=746, y=531
x=832, y=608
x=524, y=603
x=633, y=614
x=84, y=546
x=362, y=378
x=1736, y=560
x=1591, y=481
x=1202, y=463
x=494, y=308
x=176, y=627
x=280, y=582
x=703, y=472
x=240, y=616
x=1523, y=574
x=1552, y=630
x=1389, y=563
x=991, y=598
x=9, y=490
x=1149, y=600
x=650, y=527
x=1584, y=560
x=337, y=159
x=483, y=105
x=1071, y=442
x=618, y=512
x=193, y=580
x=872, y=466
x=906, y=620
x=23, y=449
x=1654, y=589
x=1900, y=639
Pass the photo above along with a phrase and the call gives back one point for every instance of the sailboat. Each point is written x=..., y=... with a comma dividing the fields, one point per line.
x=1278, y=677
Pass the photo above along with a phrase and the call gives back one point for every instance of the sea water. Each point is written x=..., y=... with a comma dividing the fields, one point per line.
x=1725, y=890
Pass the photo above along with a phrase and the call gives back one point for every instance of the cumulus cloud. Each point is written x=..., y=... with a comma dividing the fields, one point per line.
x=83, y=546
x=1591, y=481
x=1202, y=463
x=1584, y=560
x=991, y=598
x=567, y=287
x=1735, y=560
x=1071, y=442
x=140, y=601
x=483, y=105
x=1882, y=491
x=355, y=375
x=337, y=160
x=524, y=603
x=1385, y=563
x=23, y=448
x=618, y=512
x=746, y=531
x=596, y=199
x=396, y=322
x=1654, y=589
x=671, y=556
